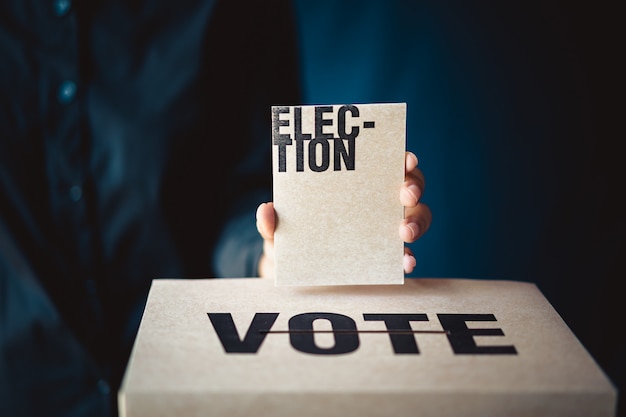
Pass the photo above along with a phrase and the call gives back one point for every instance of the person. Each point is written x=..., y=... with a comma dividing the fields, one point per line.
x=134, y=145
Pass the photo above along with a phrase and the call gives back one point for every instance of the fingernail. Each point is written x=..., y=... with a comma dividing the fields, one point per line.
x=413, y=192
x=409, y=262
x=414, y=228
x=411, y=155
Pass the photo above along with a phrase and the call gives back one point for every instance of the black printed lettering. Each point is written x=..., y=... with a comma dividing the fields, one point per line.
x=341, y=122
x=300, y=138
x=303, y=338
x=228, y=335
x=401, y=342
x=461, y=338
x=280, y=140
x=346, y=334
x=318, y=150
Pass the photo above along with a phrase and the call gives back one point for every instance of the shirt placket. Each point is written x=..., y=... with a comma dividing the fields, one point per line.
x=67, y=156
x=67, y=150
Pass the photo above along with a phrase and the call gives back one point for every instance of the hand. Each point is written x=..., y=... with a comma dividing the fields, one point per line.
x=265, y=224
x=417, y=219
x=417, y=215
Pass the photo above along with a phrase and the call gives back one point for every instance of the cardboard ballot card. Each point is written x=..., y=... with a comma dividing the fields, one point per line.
x=337, y=175
x=430, y=347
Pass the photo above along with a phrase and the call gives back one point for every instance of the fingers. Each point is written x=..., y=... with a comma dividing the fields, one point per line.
x=414, y=182
x=266, y=220
x=411, y=193
x=416, y=222
x=410, y=161
x=417, y=215
x=266, y=224
x=418, y=218
x=408, y=261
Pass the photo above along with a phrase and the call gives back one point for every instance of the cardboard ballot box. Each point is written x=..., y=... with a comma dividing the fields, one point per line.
x=430, y=347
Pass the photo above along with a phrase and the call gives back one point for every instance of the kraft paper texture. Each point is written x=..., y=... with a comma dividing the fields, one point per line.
x=337, y=175
x=507, y=353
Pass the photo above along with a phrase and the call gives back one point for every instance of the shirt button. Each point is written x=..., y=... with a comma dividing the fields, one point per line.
x=67, y=91
x=62, y=7
x=76, y=193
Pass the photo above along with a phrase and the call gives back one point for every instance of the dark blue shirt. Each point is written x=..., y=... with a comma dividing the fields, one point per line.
x=134, y=145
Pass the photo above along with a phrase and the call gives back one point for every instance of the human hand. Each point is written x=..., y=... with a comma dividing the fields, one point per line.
x=417, y=219
x=417, y=215
x=265, y=224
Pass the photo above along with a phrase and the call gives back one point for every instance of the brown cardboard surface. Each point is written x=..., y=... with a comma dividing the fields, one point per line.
x=335, y=212
x=179, y=365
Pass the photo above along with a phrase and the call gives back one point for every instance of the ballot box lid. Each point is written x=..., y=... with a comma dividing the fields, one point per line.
x=428, y=347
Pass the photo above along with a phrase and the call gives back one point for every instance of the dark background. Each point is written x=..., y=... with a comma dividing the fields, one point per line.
x=515, y=111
